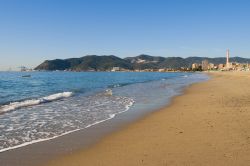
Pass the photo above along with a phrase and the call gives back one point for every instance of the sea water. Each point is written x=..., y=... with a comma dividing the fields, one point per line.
x=51, y=104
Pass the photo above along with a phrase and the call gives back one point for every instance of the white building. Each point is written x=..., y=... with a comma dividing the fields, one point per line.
x=115, y=69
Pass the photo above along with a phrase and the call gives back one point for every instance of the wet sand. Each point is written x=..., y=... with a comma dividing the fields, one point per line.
x=208, y=125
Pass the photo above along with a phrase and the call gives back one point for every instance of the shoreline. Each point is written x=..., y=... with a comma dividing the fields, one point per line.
x=66, y=133
x=207, y=125
x=39, y=153
x=66, y=143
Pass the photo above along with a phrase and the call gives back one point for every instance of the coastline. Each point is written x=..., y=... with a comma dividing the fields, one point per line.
x=44, y=151
x=207, y=125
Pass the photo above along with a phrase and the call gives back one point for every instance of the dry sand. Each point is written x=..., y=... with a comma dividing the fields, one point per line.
x=208, y=125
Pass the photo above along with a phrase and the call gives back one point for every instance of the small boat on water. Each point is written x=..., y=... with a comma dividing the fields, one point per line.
x=26, y=76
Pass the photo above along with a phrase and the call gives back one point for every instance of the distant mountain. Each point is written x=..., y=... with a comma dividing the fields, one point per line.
x=145, y=61
x=89, y=62
x=107, y=62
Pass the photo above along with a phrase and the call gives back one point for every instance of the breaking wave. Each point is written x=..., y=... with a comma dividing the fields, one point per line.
x=16, y=105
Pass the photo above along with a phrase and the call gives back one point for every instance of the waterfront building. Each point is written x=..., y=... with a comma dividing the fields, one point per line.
x=115, y=69
x=211, y=66
x=204, y=65
x=228, y=65
x=220, y=66
x=195, y=66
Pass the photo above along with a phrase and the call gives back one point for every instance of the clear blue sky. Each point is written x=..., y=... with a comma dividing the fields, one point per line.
x=32, y=31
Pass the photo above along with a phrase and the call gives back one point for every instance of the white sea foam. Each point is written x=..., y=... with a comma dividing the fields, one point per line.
x=16, y=105
x=109, y=92
x=111, y=116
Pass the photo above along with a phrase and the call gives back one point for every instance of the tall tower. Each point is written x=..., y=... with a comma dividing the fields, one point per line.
x=227, y=64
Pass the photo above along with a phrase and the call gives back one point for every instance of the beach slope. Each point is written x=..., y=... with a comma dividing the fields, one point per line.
x=208, y=125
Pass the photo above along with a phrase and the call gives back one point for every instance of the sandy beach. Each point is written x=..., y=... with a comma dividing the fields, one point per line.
x=208, y=125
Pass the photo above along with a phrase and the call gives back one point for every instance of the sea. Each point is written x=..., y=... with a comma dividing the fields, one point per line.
x=46, y=105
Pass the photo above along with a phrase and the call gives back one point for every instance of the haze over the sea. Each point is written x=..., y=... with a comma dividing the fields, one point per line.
x=33, y=31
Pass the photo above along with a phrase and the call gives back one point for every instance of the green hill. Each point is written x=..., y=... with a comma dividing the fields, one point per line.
x=107, y=62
